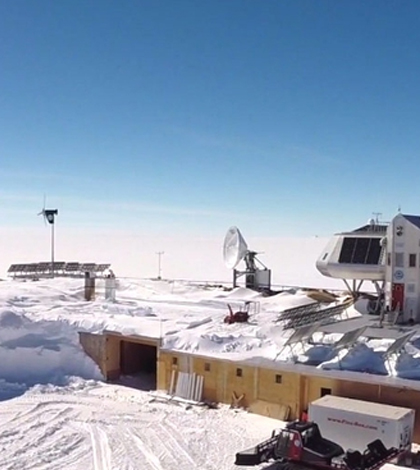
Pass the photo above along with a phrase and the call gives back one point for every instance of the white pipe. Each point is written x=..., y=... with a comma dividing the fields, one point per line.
x=194, y=390
x=200, y=388
x=197, y=388
x=191, y=387
x=171, y=386
x=184, y=384
x=180, y=384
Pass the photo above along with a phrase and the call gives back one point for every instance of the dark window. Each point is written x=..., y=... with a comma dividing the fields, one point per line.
x=325, y=256
x=389, y=259
x=174, y=361
x=412, y=261
x=238, y=372
x=325, y=391
x=207, y=366
x=279, y=379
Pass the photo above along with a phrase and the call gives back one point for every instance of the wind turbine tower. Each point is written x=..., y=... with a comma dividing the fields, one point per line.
x=49, y=216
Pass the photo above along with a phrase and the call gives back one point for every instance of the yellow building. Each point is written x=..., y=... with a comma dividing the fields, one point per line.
x=276, y=389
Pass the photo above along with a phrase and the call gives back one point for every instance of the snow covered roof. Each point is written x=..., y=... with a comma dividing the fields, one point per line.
x=414, y=219
x=187, y=319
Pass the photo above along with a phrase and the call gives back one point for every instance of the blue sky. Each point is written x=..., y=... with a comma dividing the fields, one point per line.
x=292, y=118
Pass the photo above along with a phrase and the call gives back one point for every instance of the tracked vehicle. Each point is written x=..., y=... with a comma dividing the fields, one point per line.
x=300, y=446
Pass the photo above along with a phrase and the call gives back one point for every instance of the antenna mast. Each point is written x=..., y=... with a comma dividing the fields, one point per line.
x=159, y=253
x=377, y=215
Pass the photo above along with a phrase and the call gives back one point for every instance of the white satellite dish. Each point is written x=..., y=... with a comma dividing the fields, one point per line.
x=234, y=248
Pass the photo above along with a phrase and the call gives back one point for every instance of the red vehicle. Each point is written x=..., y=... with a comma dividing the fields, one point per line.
x=300, y=446
x=241, y=316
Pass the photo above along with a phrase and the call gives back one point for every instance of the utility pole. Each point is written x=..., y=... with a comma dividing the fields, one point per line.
x=159, y=253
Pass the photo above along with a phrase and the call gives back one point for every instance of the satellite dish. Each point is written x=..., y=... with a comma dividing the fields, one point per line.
x=234, y=247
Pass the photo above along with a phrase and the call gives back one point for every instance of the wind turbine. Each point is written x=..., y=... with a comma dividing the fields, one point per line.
x=49, y=216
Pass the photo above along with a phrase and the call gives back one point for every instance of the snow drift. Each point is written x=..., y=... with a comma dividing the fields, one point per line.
x=38, y=353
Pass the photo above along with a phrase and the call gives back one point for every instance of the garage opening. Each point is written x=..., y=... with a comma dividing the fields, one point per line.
x=138, y=365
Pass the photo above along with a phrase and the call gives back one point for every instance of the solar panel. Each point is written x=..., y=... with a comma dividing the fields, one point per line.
x=102, y=267
x=72, y=267
x=13, y=268
x=398, y=345
x=88, y=267
x=294, y=312
x=61, y=268
x=306, y=317
x=349, y=338
x=360, y=250
x=300, y=335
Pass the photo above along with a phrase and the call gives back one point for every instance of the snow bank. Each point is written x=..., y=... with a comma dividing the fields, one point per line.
x=33, y=352
x=360, y=358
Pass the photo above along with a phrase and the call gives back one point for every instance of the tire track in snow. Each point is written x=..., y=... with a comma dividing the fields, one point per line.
x=175, y=444
x=100, y=448
x=150, y=456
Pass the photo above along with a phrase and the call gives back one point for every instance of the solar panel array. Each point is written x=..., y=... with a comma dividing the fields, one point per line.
x=61, y=268
x=297, y=317
x=360, y=250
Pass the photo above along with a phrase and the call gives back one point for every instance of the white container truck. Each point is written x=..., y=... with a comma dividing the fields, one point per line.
x=355, y=423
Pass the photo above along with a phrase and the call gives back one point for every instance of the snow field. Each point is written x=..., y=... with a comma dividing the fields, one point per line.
x=88, y=425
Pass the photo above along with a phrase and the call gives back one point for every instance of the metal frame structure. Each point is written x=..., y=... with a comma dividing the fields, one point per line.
x=308, y=314
x=253, y=267
x=61, y=269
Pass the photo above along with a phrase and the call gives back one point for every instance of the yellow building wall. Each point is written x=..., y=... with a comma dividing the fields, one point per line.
x=238, y=385
x=262, y=394
x=112, y=357
x=213, y=386
x=94, y=347
x=278, y=393
x=313, y=387
x=165, y=367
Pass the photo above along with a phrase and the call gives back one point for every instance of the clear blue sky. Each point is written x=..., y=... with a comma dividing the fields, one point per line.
x=285, y=117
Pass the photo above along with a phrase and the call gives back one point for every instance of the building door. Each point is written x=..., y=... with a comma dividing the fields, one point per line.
x=397, y=297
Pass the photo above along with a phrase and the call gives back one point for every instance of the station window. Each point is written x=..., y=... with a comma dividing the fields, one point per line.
x=207, y=366
x=325, y=391
x=279, y=379
x=325, y=256
x=411, y=288
x=238, y=372
x=412, y=260
x=388, y=259
x=174, y=361
x=399, y=260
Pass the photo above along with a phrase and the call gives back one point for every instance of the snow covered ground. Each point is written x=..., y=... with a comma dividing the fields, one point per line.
x=90, y=425
x=56, y=413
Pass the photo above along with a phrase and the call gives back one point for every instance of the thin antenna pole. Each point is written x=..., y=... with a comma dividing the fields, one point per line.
x=159, y=253
x=52, y=249
x=377, y=215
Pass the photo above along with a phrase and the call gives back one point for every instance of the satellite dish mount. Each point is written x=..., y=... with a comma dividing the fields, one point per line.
x=235, y=250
